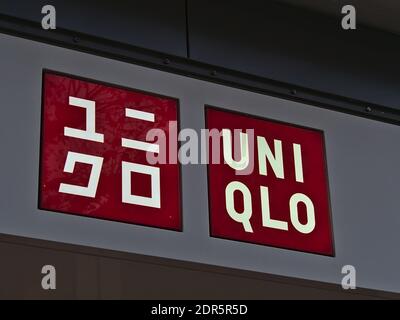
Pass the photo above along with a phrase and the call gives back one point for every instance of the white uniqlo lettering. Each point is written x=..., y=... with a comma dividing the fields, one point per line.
x=135, y=144
x=90, y=132
x=267, y=221
x=90, y=190
x=97, y=162
x=127, y=167
x=275, y=160
x=294, y=215
x=298, y=162
x=128, y=197
x=244, y=150
x=243, y=217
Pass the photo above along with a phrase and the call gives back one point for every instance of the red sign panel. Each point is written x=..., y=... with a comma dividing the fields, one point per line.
x=271, y=187
x=94, y=153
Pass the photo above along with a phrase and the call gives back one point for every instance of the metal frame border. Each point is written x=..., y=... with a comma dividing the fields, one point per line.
x=195, y=69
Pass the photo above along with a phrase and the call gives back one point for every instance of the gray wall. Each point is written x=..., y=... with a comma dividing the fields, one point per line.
x=264, y=38
x=362, y=158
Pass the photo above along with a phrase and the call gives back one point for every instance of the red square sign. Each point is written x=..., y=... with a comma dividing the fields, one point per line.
x=271, y=185
x=95, y=153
